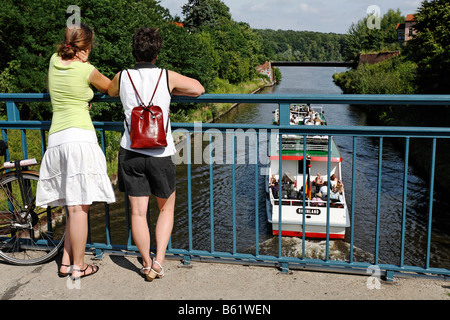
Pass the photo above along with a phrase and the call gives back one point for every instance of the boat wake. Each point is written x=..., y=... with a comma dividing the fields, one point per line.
x=314, y=249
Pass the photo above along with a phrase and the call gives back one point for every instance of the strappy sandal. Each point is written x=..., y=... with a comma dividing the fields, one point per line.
x=64, y=274
x=153, y=273
x=142, y=271
x=93, y=267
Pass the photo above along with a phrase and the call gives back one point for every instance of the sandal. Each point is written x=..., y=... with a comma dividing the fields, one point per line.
x=94, y=269
x=64, y=274
x=142, y=271
x=153, y=273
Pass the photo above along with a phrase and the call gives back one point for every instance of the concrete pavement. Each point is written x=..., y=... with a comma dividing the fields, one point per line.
x=119, y=279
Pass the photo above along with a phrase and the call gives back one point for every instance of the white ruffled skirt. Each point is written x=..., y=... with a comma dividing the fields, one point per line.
x=73, y=172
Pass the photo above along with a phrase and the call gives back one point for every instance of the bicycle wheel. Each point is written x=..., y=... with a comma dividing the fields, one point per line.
x=28, y=234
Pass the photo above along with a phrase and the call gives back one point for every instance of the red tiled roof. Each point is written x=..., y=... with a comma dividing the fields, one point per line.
x=410, y=17
x=178, y=24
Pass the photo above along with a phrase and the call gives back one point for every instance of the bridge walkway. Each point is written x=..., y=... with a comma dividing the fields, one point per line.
x=119, y=279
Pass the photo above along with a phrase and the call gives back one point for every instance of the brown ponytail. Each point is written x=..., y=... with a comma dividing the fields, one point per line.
x=75, y=40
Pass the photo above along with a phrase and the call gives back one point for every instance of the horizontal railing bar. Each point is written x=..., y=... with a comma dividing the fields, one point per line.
x=321, y=98
x=394, y=99
x=291, y=260
x=323, y=130
x=367, y=131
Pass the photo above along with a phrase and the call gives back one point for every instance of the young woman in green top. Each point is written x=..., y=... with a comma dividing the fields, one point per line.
x=73, y=170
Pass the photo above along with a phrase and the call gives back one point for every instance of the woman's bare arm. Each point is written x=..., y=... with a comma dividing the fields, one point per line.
x=99, y=81
x=184, y=86
x=113, y=89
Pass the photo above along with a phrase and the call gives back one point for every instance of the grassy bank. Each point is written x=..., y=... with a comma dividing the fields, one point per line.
x=392, y=76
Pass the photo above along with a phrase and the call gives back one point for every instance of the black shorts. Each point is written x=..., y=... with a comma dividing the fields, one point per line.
x=141, y=175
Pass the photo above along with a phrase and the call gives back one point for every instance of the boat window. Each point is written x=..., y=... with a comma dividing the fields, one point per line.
x=300, y=167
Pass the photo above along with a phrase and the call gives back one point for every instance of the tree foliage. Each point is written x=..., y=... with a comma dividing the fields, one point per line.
x=210, y=45
x=361, y=38
x=30, y=31
x=237, y=48
x=289, y=45
x=430, y=48
x=198, y=13
x=392, y=76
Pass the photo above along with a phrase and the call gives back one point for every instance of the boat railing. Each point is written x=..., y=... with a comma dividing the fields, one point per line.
x=292, y=142
x=299, y=113
x=229, y=245
x=309, y=202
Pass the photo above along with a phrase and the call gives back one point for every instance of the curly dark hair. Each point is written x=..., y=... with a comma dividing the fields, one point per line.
x=147, y=44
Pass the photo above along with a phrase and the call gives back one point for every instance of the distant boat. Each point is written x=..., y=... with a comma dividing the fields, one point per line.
x=317, y=202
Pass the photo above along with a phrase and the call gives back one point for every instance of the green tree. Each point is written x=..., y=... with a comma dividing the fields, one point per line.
x=30, y=31
x=364, y=39
x=190, y=54
x=215, y=47
x=198, y=13
x=430, y=48
x=236, y=48
x=289, y=45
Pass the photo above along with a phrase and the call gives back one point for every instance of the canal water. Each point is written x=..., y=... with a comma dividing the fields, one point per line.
x=297, y=80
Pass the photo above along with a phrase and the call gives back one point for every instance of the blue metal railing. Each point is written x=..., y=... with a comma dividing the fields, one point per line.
x=283, y=101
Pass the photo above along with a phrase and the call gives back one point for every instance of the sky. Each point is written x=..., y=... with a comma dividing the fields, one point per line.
x=303, y=15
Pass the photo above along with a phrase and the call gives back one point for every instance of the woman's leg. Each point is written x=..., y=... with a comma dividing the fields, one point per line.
x=78, y=230
x=164, y=227
x=139, y=228
x=66, y=261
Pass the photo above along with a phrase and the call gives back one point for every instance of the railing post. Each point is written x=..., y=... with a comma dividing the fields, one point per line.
x=186, y=260
x=12, y=112
x=285, y=267
x=285, y=114
x=389, y=277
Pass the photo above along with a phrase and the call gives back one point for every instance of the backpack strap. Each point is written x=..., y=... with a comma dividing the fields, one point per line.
x=137, y=93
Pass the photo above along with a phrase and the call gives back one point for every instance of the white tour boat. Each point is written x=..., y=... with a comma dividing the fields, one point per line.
x=320, y=211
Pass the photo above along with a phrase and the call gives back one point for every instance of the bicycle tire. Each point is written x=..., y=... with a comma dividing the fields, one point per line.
x=28, y=237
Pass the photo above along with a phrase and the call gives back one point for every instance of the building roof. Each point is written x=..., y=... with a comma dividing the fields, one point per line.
x=178, y=24
x=410, y=17
x=265, y=66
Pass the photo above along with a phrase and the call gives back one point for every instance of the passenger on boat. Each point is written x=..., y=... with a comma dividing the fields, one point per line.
x=317, y=120
x=318, y=182
x=323, y=190
x=333, y=180
x=306, y=118
x=273, y=185
x=339, y=186
x=287, y=183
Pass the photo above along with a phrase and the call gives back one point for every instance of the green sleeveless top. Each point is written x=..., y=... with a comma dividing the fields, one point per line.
x=70, y=93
